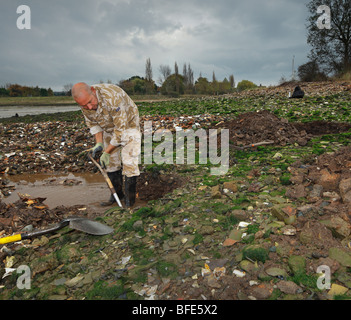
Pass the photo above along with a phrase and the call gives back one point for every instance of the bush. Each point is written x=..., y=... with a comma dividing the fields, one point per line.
x=173, y=86
x=310, y=72
x=245, y=84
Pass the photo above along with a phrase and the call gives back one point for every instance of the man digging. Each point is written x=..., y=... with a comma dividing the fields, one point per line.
x=113, y=119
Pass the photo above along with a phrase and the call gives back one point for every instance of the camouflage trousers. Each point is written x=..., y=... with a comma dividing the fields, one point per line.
x=126, y=156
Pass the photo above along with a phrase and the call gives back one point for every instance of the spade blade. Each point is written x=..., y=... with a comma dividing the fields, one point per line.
x=90, y=226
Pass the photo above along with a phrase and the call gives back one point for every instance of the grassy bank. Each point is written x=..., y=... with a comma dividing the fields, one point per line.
x=36, y=101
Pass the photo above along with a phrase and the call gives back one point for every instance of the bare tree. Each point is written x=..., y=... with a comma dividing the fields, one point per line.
x=148, y=70
x=165, y=73
x=188, y=76
x=329, y=34
x=185, y=74
x=214, y=77
x=231, y=80
x=67, y=88
x=176, y=72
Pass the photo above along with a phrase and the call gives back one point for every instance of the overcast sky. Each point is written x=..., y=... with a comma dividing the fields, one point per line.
x=93, y=40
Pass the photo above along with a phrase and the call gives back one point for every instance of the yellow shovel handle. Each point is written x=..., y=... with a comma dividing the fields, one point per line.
x=14, y=238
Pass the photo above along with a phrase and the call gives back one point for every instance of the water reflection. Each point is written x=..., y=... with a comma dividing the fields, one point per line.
x=11, y=111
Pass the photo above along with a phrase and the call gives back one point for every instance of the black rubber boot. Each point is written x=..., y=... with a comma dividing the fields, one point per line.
x=130, y=189
x=117, y=182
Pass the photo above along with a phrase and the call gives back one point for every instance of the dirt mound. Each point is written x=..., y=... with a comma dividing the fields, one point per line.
x=154, y=185
x=322, y=127
x=254, y=127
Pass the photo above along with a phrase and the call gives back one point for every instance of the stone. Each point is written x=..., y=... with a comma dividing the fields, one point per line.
x=288, y=287
x=345, y=279
x=340, y=256
x=231, y=186
x=39, y=242
x=336, y=290
x=284, y=213
x=297, y=264
x=212, y=282
x=240, y=214
x=289, y=210
x=345, y=190
x=137, y=225
x=278, y=212
x=206, y=230
x=284, y=250
x=88, y=279
x=315, y=193
x=229, y=242
x=297, y=179
x=236, y=235
x=248, y=266
x=296, y=192
x=332, y=195
x=255, y=253
x=216, y=193
x=275, y=272
x=262, y=291
x=59, y=282
x=307, y=210
x=74, y=281
x=57, y=297
x=338, y=226
x=289, y=230
x=329, y=181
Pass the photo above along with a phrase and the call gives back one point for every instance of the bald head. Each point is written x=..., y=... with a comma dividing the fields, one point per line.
x=85, y=96
x=80, y=88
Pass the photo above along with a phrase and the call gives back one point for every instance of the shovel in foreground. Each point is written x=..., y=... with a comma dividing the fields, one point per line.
x=77, y=223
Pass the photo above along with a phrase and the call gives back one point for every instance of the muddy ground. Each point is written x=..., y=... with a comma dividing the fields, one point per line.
x=258, y=233
x=249, y=128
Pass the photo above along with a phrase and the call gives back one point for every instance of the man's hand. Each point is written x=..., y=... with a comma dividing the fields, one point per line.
x=105, y=160
x=96, y=149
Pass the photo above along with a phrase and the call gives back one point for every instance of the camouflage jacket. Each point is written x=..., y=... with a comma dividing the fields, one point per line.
x=116, y=112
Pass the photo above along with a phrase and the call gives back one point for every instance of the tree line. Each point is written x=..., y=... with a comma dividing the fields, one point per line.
x=175, y=83
x=16, y=90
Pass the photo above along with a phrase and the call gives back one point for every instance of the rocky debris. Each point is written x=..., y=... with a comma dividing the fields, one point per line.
x=327, y=184
x=44, y=147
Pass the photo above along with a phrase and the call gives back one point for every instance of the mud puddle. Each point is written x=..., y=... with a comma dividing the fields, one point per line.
x=84, y=189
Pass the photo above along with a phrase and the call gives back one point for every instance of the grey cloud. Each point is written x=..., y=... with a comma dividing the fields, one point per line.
x=111, y=39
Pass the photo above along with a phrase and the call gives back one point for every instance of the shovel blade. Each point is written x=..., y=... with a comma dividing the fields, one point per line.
x=90, y=226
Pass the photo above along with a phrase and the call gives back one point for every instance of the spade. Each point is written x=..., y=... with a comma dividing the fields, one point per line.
x=77, y=223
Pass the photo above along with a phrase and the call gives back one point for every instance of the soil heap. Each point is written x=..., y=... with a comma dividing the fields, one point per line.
x=255, y=127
